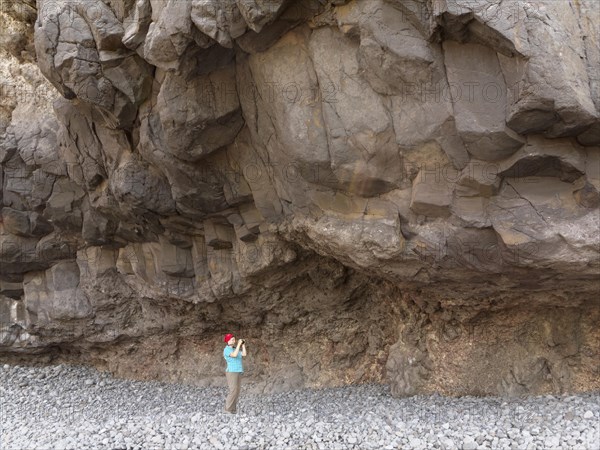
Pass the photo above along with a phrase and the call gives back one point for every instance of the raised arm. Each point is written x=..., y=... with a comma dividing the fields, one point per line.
x=237, y=350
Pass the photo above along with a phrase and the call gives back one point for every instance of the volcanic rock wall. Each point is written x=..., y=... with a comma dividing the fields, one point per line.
x=402, y=191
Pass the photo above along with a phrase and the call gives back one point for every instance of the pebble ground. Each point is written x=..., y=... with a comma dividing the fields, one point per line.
x=69, y=407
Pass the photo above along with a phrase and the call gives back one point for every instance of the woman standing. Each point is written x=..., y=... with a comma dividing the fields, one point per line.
x=234, y=370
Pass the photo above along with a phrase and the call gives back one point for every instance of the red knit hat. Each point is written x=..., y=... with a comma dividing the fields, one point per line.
x=227, y=337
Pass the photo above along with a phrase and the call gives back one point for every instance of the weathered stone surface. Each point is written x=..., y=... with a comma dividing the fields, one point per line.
x=221, y=20
x=362, y=147
x=16, y=222
x=252, y=42
x=69, y=302
x=362, y=242
x=555, y=100
x=80, y=51
x=392, y=51
x=407, y=367
x=55, y=294
x=479, y=178
x=195, y=191
x=265, y=253
x=471, y=210
x=11, y=289
x=246, y=164
x=258, y=13
x=479, y=98
x=367, y=190
x=176, y=261
x=26, y=224
x=200, y=115
x=218, y=236
x=288, y=111
x=137, y=186
x=62, y=206
x=37, y=141
x=18, y=254
x=137, y=24
x=547, y=234
x=169, y=34
x=432, y=192
x=563, y=159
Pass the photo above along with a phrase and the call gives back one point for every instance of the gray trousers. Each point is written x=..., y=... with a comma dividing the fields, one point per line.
x=234, y=381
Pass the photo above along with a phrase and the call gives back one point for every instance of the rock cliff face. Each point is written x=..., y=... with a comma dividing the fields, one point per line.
x=402, y=191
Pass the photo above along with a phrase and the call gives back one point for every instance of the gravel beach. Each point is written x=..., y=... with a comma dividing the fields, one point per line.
x=69, y=407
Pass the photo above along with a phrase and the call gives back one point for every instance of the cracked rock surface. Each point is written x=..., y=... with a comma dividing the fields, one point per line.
x=397, y=191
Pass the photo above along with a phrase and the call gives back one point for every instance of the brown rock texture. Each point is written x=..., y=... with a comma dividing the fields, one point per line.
x=398, y=191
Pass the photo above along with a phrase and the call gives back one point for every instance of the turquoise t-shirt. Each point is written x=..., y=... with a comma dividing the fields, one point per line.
x=233, y=364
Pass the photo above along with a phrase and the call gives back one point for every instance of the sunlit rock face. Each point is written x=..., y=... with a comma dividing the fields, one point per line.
x=398, y=191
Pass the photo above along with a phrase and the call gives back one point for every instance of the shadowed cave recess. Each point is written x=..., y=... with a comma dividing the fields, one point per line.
x=389, y=191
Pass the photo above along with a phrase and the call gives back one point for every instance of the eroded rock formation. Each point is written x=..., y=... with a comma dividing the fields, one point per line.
x=400, y=191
